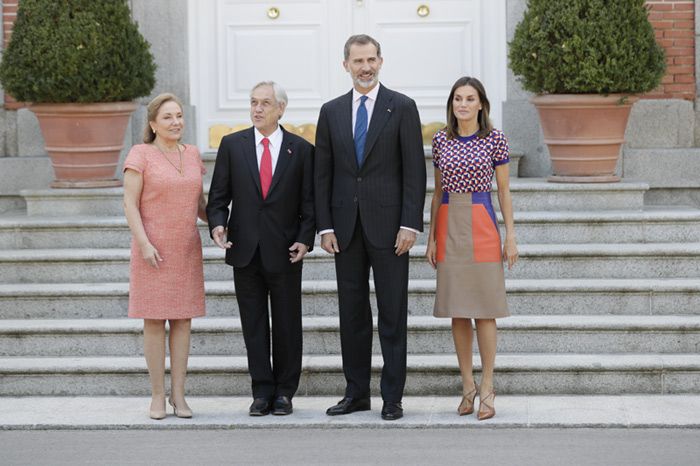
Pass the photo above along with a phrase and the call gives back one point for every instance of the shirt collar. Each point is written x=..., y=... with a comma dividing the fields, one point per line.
x=372, y=95
x=275, y=138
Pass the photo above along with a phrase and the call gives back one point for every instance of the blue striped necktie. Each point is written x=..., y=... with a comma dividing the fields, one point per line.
x=361, y=130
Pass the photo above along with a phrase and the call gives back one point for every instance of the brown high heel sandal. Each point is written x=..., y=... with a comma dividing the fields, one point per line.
x=467, y=404
x=490, y=411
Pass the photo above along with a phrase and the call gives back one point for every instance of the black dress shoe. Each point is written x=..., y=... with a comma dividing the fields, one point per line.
x=392, y=411
x=282, y=406
x=260, y=407
x=349, y=405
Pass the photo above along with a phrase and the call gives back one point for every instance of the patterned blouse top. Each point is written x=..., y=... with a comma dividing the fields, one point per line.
x=467, y=164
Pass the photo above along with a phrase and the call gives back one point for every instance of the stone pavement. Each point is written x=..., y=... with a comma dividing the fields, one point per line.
x=566, y=411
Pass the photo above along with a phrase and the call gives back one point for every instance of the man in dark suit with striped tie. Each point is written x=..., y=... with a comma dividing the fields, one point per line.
x=369, y=195
x=266, y=174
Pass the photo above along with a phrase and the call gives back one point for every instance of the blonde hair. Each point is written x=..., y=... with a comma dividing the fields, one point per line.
x=152, y=110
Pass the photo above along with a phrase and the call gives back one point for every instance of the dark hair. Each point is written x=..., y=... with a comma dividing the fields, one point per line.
x=152, y=110
x=483, y=119
x=360, y=39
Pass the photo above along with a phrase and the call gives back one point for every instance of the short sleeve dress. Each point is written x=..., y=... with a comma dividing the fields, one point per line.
x=470, y=278
x=168, y=206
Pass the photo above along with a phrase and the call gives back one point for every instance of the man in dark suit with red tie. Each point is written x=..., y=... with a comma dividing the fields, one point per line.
x=370, y=190
x=266, y=174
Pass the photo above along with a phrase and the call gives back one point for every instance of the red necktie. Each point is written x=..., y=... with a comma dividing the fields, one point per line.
x=265, y=168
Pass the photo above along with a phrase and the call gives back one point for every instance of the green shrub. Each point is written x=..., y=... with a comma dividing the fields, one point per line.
x=76, y=51
x=586, y=47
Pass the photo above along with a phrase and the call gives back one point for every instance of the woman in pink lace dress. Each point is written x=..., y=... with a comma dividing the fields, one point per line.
x=162, y=200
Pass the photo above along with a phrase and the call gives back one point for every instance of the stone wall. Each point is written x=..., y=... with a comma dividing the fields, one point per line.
x=164, y=25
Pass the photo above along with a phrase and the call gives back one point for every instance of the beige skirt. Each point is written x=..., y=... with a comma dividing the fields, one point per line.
x=470, y=280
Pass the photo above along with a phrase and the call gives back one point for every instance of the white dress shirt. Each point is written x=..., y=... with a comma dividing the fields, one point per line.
x=275, y=145
x=369, y=104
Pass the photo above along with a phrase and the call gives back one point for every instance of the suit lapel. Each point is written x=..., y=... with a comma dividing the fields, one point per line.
x=285, y=155
x=380, y=115
x=345, y=123
x=251, y=158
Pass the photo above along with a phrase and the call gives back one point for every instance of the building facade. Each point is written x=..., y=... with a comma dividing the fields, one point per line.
x=211, y=52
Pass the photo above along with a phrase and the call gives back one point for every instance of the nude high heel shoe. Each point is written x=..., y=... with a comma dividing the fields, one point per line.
x=157, y=414
x=180, y=412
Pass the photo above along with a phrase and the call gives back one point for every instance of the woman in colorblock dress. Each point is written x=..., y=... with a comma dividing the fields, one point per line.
x=464, y=243
x=162, y=199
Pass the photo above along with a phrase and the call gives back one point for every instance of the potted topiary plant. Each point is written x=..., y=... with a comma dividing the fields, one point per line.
x=80, y=64
x=585, y=60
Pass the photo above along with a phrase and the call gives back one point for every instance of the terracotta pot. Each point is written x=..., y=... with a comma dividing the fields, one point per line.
x=84, y=141
x=584, y=134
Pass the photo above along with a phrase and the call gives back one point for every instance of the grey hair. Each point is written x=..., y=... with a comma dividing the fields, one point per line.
x=280, y=93
x=360, y=39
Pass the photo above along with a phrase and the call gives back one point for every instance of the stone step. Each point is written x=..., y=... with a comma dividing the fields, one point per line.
x=524, y=373
x=655, y=224
x=420, y=412
x=643, y=260
x=612, y=413
x=426, y=335
x=529, y=194
x=661, y=297
x=209, y=159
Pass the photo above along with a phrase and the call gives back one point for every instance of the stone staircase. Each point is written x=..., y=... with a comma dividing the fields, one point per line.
x=605, y=300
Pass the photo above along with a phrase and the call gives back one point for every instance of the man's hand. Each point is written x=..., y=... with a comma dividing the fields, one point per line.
x=405, y=239
x=329, y=243
x=297, y=251
x=219, y=235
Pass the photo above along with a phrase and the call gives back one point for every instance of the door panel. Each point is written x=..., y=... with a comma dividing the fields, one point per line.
x=236, y=43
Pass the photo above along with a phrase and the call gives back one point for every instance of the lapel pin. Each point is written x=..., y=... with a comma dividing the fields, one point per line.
x=289, y=151
x=388, y=110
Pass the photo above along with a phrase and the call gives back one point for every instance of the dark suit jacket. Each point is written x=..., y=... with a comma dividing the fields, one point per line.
x=388, y=190
x=275, y=223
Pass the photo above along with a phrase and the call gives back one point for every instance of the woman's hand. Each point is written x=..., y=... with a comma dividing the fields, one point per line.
x=150, y=255
x=431, y=253
x=510, y=251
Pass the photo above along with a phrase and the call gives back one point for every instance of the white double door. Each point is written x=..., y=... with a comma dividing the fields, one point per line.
x=426, y=46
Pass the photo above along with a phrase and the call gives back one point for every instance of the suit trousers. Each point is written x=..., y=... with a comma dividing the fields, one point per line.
x=390, y=271
x=279, y=377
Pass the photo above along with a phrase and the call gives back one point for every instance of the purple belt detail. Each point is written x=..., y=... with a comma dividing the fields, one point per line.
x=480, y=197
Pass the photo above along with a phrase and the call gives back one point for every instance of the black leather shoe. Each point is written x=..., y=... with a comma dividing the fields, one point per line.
x=282, y=406
x=260, y=407
x=349, y=405
x=392, y=411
